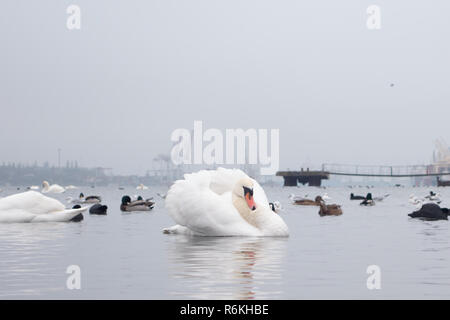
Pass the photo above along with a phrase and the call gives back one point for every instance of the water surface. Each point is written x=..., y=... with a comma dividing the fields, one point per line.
x=125, y=255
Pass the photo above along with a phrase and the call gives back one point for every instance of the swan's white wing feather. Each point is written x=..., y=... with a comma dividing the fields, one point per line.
x=32, y=202
x=223, y=180
x=15, y=215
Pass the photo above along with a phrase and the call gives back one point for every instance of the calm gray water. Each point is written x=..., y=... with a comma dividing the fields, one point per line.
x=125, y=255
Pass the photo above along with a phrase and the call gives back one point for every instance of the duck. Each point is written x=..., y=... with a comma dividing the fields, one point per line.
x=368, y=201
x=142, y=199
x=275, y=206
x=353, y=197
x=297, y=200
x=33, y=206
x=430, y=211
x=221, y=202
x=54, y=188
x=141, y=187
x=306, y=202
x=98, y=209
x=328, y=209
x=89, y=199
x=136, y=205
x=432, y=196
x=33, y=188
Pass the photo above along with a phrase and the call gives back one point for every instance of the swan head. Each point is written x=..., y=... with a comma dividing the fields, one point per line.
x=244, y=190
x=256, y=212
x=45, y=184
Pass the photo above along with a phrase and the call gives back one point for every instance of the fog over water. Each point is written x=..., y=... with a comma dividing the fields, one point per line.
x=111, y=93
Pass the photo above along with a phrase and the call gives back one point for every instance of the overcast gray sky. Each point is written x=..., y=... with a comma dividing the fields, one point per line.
x=111, y=93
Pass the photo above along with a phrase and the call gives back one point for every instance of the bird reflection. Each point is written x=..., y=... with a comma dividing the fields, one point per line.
x=226, y=267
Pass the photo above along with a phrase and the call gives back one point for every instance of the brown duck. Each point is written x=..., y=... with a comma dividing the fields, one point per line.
x=328, y=209
x=300, y=201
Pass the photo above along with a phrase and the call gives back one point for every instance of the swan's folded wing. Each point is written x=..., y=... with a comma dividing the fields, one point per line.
x=204, y=211
x=223, y=180
x=32, y=202
x=15, y=216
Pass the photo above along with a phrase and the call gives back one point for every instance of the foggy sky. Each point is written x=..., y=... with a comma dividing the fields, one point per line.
x=112, y=93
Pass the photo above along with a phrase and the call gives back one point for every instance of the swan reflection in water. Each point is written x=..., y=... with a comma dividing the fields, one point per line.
x=226, y=267
x=28, y=253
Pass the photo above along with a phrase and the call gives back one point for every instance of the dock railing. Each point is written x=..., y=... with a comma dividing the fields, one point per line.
x=385, y=171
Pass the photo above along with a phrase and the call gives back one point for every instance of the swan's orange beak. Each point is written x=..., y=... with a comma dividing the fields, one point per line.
x=248, y=193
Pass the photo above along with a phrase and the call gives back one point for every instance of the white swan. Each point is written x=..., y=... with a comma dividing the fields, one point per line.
x=222, y=202
x=71, y=187
x=32, y=206
x=54, y=188
x=141, y=187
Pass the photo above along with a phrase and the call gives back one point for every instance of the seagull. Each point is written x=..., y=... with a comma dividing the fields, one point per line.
x=326, y=197
x=294, y=198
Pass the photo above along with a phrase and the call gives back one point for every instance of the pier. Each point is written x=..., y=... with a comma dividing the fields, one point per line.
x=314, y=178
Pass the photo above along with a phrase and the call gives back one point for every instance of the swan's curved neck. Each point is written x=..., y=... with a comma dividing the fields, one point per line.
x=249, y=215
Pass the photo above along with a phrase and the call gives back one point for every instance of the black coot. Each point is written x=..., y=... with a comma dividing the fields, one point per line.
x=430, y=211
x=98, y=209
